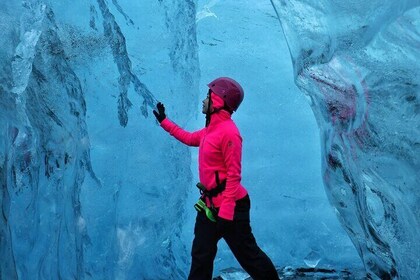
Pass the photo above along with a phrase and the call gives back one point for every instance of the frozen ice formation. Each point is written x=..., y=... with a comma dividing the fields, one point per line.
x=82, y=193
x=60, y=218
x=358, y=64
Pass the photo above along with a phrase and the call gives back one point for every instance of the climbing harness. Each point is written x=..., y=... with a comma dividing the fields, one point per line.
x=211, y=212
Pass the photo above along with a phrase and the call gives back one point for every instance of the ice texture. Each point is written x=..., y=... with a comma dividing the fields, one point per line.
x=290, y=273
x=92, y=188
x=358, y=64
x=45, y=151
x=291, y=215
x=62, y=216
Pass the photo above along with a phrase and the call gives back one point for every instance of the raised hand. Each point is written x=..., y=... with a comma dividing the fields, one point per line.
x=160, y=113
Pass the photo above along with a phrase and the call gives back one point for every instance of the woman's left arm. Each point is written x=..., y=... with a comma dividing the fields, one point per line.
x=232, y=155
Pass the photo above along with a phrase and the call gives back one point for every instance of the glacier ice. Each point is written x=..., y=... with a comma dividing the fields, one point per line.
x=358, y=65
x=312, y=259
x=88, y=178
x=61, y=217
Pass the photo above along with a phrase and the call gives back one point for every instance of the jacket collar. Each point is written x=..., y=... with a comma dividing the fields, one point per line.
x=219, y=117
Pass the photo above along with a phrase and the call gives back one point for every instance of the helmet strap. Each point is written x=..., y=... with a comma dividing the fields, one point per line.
x=227, y=109
x=208, y=113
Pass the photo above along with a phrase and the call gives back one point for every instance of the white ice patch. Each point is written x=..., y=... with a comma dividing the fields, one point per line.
x=81, y=224
x=25, y=51
x=129, y=239
x=312, y=259
x=205, y=11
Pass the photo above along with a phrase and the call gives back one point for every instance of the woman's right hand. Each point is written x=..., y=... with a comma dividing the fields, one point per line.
x=160, y=113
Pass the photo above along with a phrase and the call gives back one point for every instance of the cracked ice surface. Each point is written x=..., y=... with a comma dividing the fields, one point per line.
x=66, y=211
x=83, y=194
x=358, y=64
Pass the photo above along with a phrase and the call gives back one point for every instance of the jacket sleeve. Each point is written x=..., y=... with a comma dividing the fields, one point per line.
x=188, y=138
x=232, y=154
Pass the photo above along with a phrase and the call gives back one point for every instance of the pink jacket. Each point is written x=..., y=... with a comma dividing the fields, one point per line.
x=220, y=149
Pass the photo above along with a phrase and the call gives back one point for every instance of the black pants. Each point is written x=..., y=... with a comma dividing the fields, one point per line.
x=239, y=239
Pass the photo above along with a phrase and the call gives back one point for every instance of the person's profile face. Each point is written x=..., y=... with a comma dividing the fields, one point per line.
x=206, y=104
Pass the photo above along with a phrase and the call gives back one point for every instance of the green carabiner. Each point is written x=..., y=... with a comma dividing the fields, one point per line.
x=201, y=205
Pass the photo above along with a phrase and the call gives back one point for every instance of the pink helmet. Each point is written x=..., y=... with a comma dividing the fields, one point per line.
x=229, y=90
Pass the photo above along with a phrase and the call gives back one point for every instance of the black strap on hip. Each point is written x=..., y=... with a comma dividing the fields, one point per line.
x=220, y=187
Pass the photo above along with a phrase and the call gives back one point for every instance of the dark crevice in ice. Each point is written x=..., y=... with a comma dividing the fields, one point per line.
x=121, y=11
x=116, y=41
x=93, y=17
x=183, y=56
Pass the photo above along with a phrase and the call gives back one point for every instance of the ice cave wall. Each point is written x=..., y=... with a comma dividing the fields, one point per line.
x=83, y=192
x=64, y=217
x=358, y=64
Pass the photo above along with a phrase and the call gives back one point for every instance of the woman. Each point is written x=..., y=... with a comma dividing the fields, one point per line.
x=223, y=208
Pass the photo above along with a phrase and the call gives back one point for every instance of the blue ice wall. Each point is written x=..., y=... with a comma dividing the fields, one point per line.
x=359, y=65
x=291, y=216
x=88, y=178
x=92, y=188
